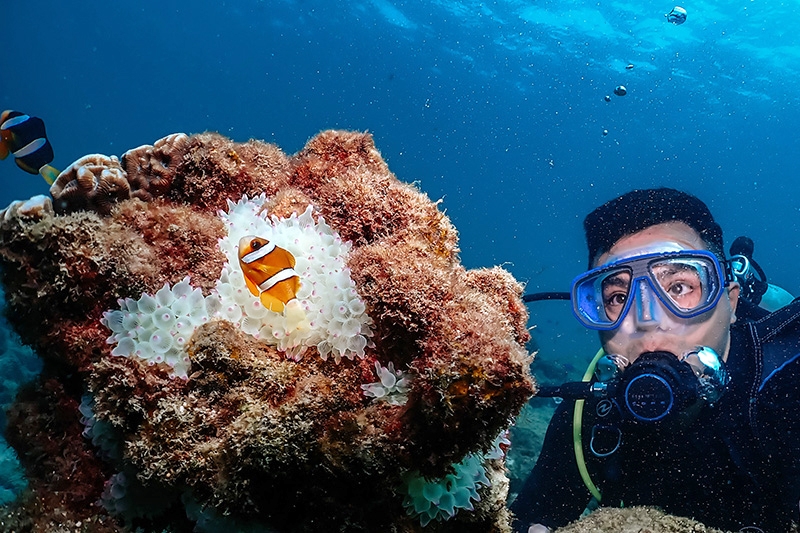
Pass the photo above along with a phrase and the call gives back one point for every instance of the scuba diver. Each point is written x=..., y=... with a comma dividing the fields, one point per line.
x=692, y=403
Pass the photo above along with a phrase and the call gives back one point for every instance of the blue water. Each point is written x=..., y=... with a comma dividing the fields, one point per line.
x=497, y=107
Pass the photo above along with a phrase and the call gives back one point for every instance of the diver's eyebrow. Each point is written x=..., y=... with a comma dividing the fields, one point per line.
x=616, y=281
x=670, y=270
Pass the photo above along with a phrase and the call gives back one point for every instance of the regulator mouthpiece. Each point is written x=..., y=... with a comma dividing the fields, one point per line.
x=610, y=366
x=710, y=371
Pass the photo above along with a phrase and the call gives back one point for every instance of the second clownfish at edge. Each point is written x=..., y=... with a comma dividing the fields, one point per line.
x=268, y=272
x=24, y=137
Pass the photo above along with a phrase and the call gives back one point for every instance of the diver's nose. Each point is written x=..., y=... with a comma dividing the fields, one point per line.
x=647, y=311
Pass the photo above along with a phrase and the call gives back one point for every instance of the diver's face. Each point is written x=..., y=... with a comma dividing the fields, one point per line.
x=657, y=329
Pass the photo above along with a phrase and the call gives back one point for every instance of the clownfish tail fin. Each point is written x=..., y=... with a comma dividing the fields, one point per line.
x=49, y=174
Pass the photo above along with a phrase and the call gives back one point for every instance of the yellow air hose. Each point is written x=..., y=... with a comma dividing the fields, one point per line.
x=577, y=422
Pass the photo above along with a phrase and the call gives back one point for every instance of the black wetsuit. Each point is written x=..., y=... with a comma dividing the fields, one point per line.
x=736, y=465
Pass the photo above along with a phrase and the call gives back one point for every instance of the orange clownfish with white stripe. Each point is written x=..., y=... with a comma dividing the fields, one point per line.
x=268, y=272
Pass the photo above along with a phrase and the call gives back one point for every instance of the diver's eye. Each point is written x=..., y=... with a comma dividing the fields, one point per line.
x=686, y=295
x=679, y=289
x=614, y=303
x=615, y=293
x=616, y=300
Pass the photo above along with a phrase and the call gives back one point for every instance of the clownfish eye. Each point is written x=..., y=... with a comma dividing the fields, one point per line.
x=255, y=244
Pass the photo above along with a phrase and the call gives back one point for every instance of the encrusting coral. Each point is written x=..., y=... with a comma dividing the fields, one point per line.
x=151, y=169
x=391, y=373
x=637, y=519
x=93, y=182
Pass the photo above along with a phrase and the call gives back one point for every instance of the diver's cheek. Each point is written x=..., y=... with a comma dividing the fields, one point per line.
x=713, y=333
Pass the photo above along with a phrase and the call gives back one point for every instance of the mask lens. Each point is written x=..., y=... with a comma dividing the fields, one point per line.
x=690, y=283
x=616, y=288
x=600, y=297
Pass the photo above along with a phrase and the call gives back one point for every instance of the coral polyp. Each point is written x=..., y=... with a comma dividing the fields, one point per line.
x=369, y=400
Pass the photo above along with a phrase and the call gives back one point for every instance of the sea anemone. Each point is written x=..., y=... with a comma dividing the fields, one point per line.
x=331, y=316
x=441, y=498
x=392, y=385
x=327, y=313
x=156, y=328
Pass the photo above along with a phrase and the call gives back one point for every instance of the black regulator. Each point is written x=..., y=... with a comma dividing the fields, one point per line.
x=657, y=387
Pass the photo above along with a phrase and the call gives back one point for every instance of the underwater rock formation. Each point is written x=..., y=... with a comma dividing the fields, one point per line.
x=18, y=365
x=173, y=395
x=635, y=520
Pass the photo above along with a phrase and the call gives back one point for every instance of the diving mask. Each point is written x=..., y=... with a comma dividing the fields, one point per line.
x=687, y=282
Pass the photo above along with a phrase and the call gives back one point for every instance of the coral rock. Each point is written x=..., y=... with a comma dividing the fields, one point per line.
x=151, y=169
x=635, y=520
x=35, y=208
x=270, y=421
x=216, y=169
x=93, y=182
x=357, y=193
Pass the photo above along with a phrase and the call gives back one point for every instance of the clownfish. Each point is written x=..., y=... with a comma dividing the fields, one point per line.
x=268, y=272
x=24, y=137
